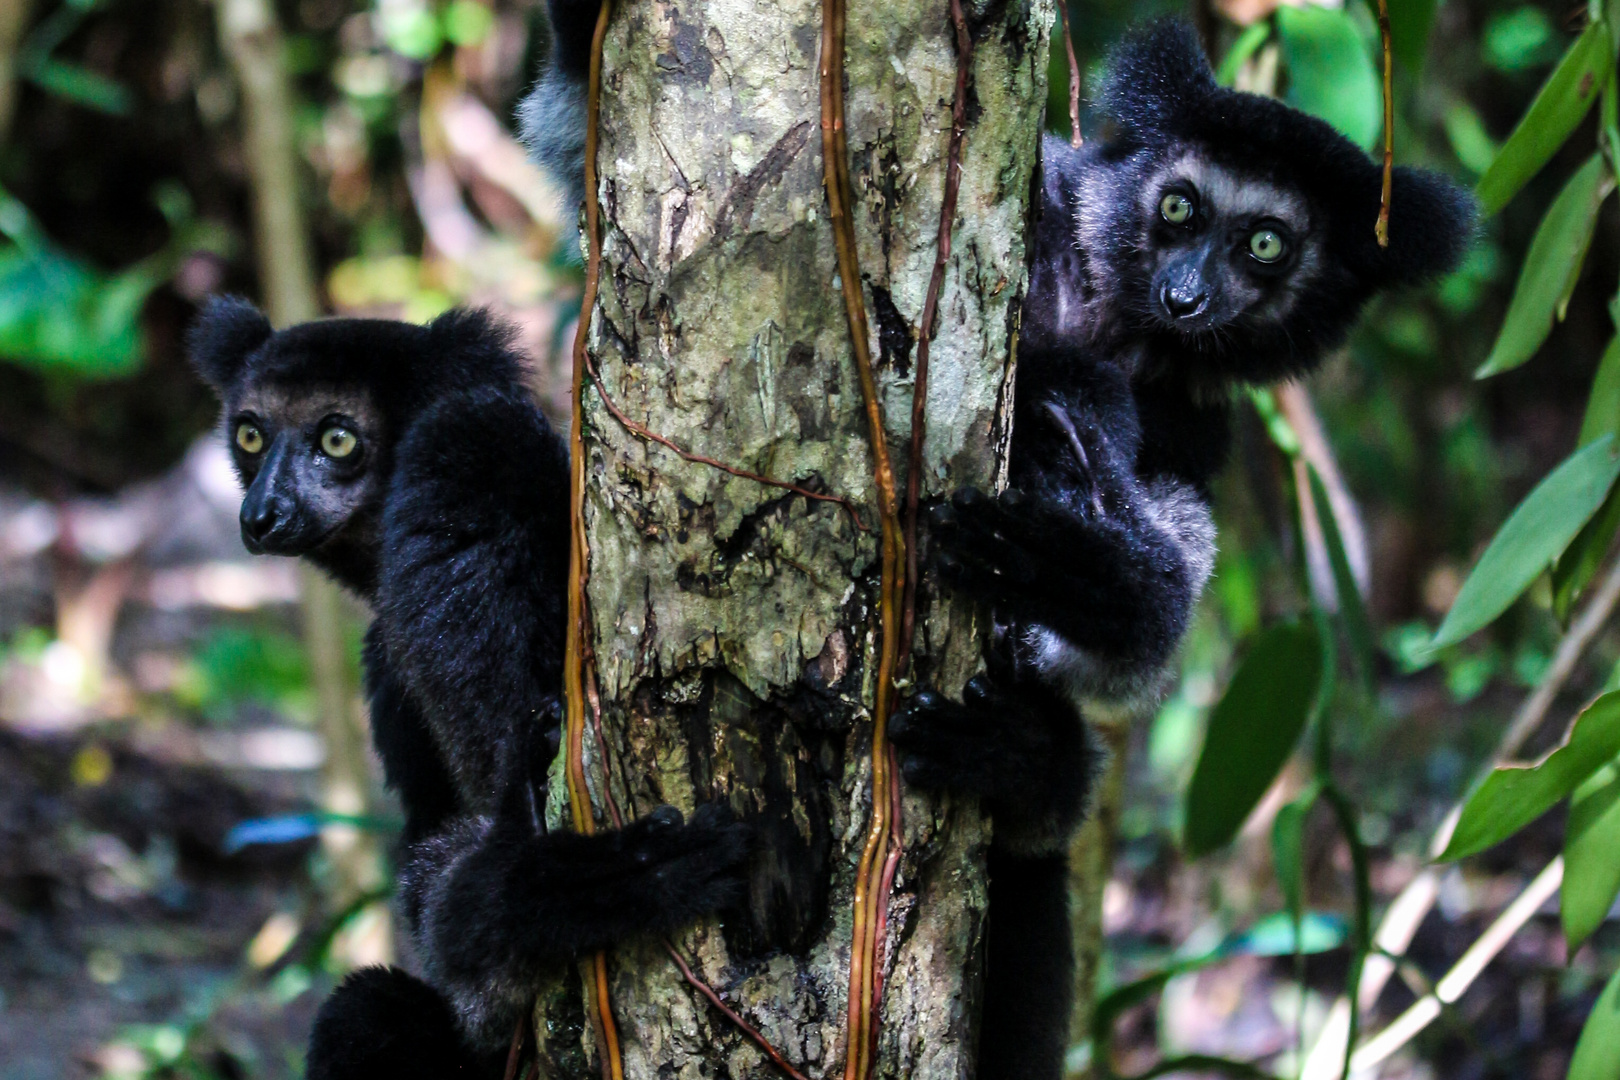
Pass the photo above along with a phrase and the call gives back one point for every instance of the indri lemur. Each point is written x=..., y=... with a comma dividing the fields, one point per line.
x=411, y=464
x=1206, y=240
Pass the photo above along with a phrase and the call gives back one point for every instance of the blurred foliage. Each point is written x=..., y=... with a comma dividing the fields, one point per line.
x=240, y=664
x=123, y=202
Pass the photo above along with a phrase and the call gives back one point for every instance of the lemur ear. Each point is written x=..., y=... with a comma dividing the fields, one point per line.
x=226, y=332
x=1432, y=224
x=1157, y=78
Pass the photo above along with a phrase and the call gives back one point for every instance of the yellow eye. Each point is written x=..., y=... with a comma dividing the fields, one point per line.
x=338, y=442
x=1266, y=246
x=1176, y=208
x=249, y=438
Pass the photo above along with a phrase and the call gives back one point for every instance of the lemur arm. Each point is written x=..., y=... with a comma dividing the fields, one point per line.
x=471, y=601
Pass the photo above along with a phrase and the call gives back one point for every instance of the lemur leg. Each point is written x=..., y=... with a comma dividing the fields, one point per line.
x=1021, y=747
x=1029, y=981
x=382, y=1024
x=495, y=902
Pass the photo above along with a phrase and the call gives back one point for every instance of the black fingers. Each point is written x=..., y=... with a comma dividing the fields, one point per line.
x=1012, y=741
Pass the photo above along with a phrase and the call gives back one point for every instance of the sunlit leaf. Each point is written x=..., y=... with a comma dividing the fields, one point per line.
x=1550, y=267
x=1519, y=39
x=1597, y=1054
x=1251, y=733
x=56, y=313
x=1352, y=611
x=1591, y=866
x=1271, y=936
x=1330, y=73
x=1470, y=141
x=1536, y=533
x=467, y=22
x=1560, y=105
x=1247, y=44
x=1274, y=936
x=1515, y=795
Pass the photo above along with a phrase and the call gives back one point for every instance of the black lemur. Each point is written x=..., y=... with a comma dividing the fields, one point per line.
x=1207, y=239
x=411, y=464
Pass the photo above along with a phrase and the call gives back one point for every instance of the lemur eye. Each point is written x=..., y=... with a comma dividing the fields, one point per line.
x=338, y=442
x=1266, y=246
x=249, y=438
x=1176, y=208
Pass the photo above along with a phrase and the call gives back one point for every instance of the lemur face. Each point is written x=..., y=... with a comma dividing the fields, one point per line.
x=1220, y=251
x=309, y=461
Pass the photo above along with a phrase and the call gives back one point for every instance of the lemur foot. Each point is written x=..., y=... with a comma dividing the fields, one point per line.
x=382, y=1024
x=1013, y=741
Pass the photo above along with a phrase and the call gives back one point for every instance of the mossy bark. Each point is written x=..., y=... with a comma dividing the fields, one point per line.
x=734, y=622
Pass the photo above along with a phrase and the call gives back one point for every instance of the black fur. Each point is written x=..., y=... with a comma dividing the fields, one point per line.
x=450, y=515
x=1135, y=329
x=1029, y=980
x=405, y=1032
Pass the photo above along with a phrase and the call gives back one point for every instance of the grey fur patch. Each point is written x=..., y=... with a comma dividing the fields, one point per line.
x=551, y=121
x=1174, y=508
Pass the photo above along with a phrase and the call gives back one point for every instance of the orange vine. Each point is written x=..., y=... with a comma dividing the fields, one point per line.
x=1381, y=229
x=869, y=897
x=919, y=428
x=1074, y=77
x=578, y=638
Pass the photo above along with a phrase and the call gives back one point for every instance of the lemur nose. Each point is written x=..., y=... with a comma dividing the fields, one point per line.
x=1183, y=303
x=258, y=519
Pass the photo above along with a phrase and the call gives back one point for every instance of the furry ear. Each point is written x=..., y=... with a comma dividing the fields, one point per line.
x=226, y=331
x=1157, y=76
x=1432, y=223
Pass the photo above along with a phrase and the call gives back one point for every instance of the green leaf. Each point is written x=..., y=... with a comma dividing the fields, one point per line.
x=1288, y=851
x=1579, y=563
x=1534, y=535
x=1550, y=267
x=1251, y=733
x=1603, y=405
x=1591, y=870
x=1247, y=44
x=1330, y=74
x=1409, y=24
x=1597, y=1054
x=1515, y=795
x=1352, y=611
x=1560, y=105
x=81, y=86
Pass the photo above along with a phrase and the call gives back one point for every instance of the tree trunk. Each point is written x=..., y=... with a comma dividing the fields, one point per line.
x=735, y=631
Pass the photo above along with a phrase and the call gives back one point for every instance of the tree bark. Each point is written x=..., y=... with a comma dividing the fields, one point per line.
x=735, y=631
